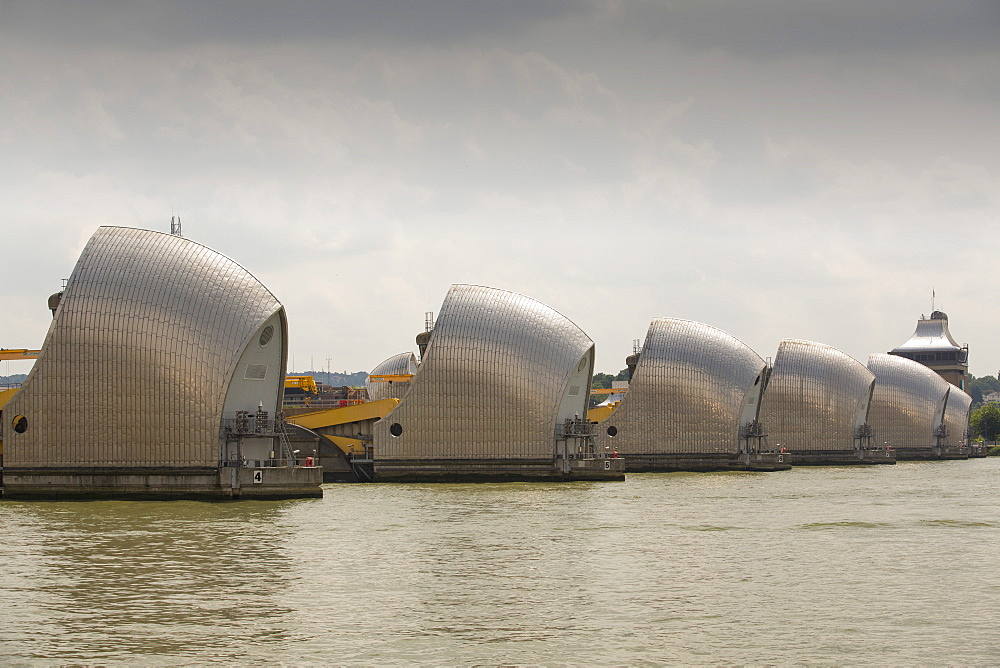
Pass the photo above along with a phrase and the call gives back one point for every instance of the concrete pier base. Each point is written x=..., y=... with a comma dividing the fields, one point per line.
x=503, y=470
x=768, y=461
x=843, y=457
x=207, y=484
x=977, y=450
x=706, y=462
x=933, y=453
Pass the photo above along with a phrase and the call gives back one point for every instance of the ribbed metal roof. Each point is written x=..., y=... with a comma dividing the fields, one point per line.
x=908, y=402
x=688, y=392
x=956, y=416
x=500, y=371
x=397, y=365
x=817, y=397
x=931, y=335
x=139, y=356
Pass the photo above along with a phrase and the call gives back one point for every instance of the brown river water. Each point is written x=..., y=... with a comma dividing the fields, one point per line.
x=889, y=565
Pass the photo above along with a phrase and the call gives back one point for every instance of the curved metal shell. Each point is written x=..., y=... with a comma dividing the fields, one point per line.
x=397, y=365
x=931, y=335
x=816, y=399
x=500, y=371
x=908, y=402
x=142, y=354
x=688, y=393
x=956, y=416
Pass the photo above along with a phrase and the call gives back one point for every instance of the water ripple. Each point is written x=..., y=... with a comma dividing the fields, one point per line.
x=809, y=567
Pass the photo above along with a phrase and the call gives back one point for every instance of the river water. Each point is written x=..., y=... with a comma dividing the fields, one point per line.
x=887, y=565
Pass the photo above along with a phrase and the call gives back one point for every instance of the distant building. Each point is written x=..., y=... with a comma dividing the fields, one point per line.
x=933, y=346
x=991, y=398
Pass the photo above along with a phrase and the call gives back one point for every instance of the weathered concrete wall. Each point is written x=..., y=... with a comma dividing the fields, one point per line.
x=708, y=462
x=479, y=470
x=281, y=482
x=931, y=453
x=843, y=457
x=162, y=484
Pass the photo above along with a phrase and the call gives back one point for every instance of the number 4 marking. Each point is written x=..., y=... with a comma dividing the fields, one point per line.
x=258, y=476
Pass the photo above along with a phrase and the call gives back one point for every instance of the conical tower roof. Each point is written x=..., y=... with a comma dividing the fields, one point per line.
x=931, y=335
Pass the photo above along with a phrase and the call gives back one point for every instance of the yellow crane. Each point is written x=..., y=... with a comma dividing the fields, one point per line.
x=18, y=354
x=391, y=378
x=609, y=390
x=305, y=383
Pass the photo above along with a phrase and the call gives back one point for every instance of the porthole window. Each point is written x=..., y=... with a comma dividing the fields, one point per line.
x=266, y=335
x=612, y=431
x=396, y=429
x=20, y=424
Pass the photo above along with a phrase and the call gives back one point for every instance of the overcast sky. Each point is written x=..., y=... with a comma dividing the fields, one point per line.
x=774, y=168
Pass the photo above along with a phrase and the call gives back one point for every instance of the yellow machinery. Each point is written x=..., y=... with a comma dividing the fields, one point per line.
x=391, y=378
x=305, y=383
x=7, y=354
x=601, y=413
x=342, y=424
x=5, y=396
x=18, y=354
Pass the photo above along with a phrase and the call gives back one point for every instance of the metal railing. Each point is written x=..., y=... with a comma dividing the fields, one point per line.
x=575, y=428
x=305, y=462
x=259, y=424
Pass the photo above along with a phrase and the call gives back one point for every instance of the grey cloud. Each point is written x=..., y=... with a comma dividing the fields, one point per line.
x=773, y=28
x=182, y=23
x=745, y=164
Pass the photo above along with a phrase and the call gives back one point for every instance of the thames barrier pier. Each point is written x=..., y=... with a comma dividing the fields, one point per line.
x=692, y=404
x=161, y=377
x=816, y=406
x=910, y=410
x=500, y=393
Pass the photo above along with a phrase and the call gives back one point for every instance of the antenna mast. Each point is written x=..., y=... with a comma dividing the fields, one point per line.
x=175, y=226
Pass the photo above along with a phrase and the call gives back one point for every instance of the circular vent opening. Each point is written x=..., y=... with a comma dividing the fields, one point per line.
x=20, y=424
x=612, y=431
x=266, y=335
x=395, y=429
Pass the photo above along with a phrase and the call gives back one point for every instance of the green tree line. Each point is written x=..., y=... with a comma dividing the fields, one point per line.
x=981, y=386
x=604, y=380
x=985, y=422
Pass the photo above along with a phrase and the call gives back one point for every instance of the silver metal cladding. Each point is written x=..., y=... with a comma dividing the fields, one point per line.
x=139, y=356
x=931, y=334
x=500, y=371
x=956, y=417
x=908, y=403
x=687, y=394
x=816, y=399
x=397, y=365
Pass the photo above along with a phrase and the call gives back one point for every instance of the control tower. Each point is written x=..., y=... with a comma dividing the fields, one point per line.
x=933, y=346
